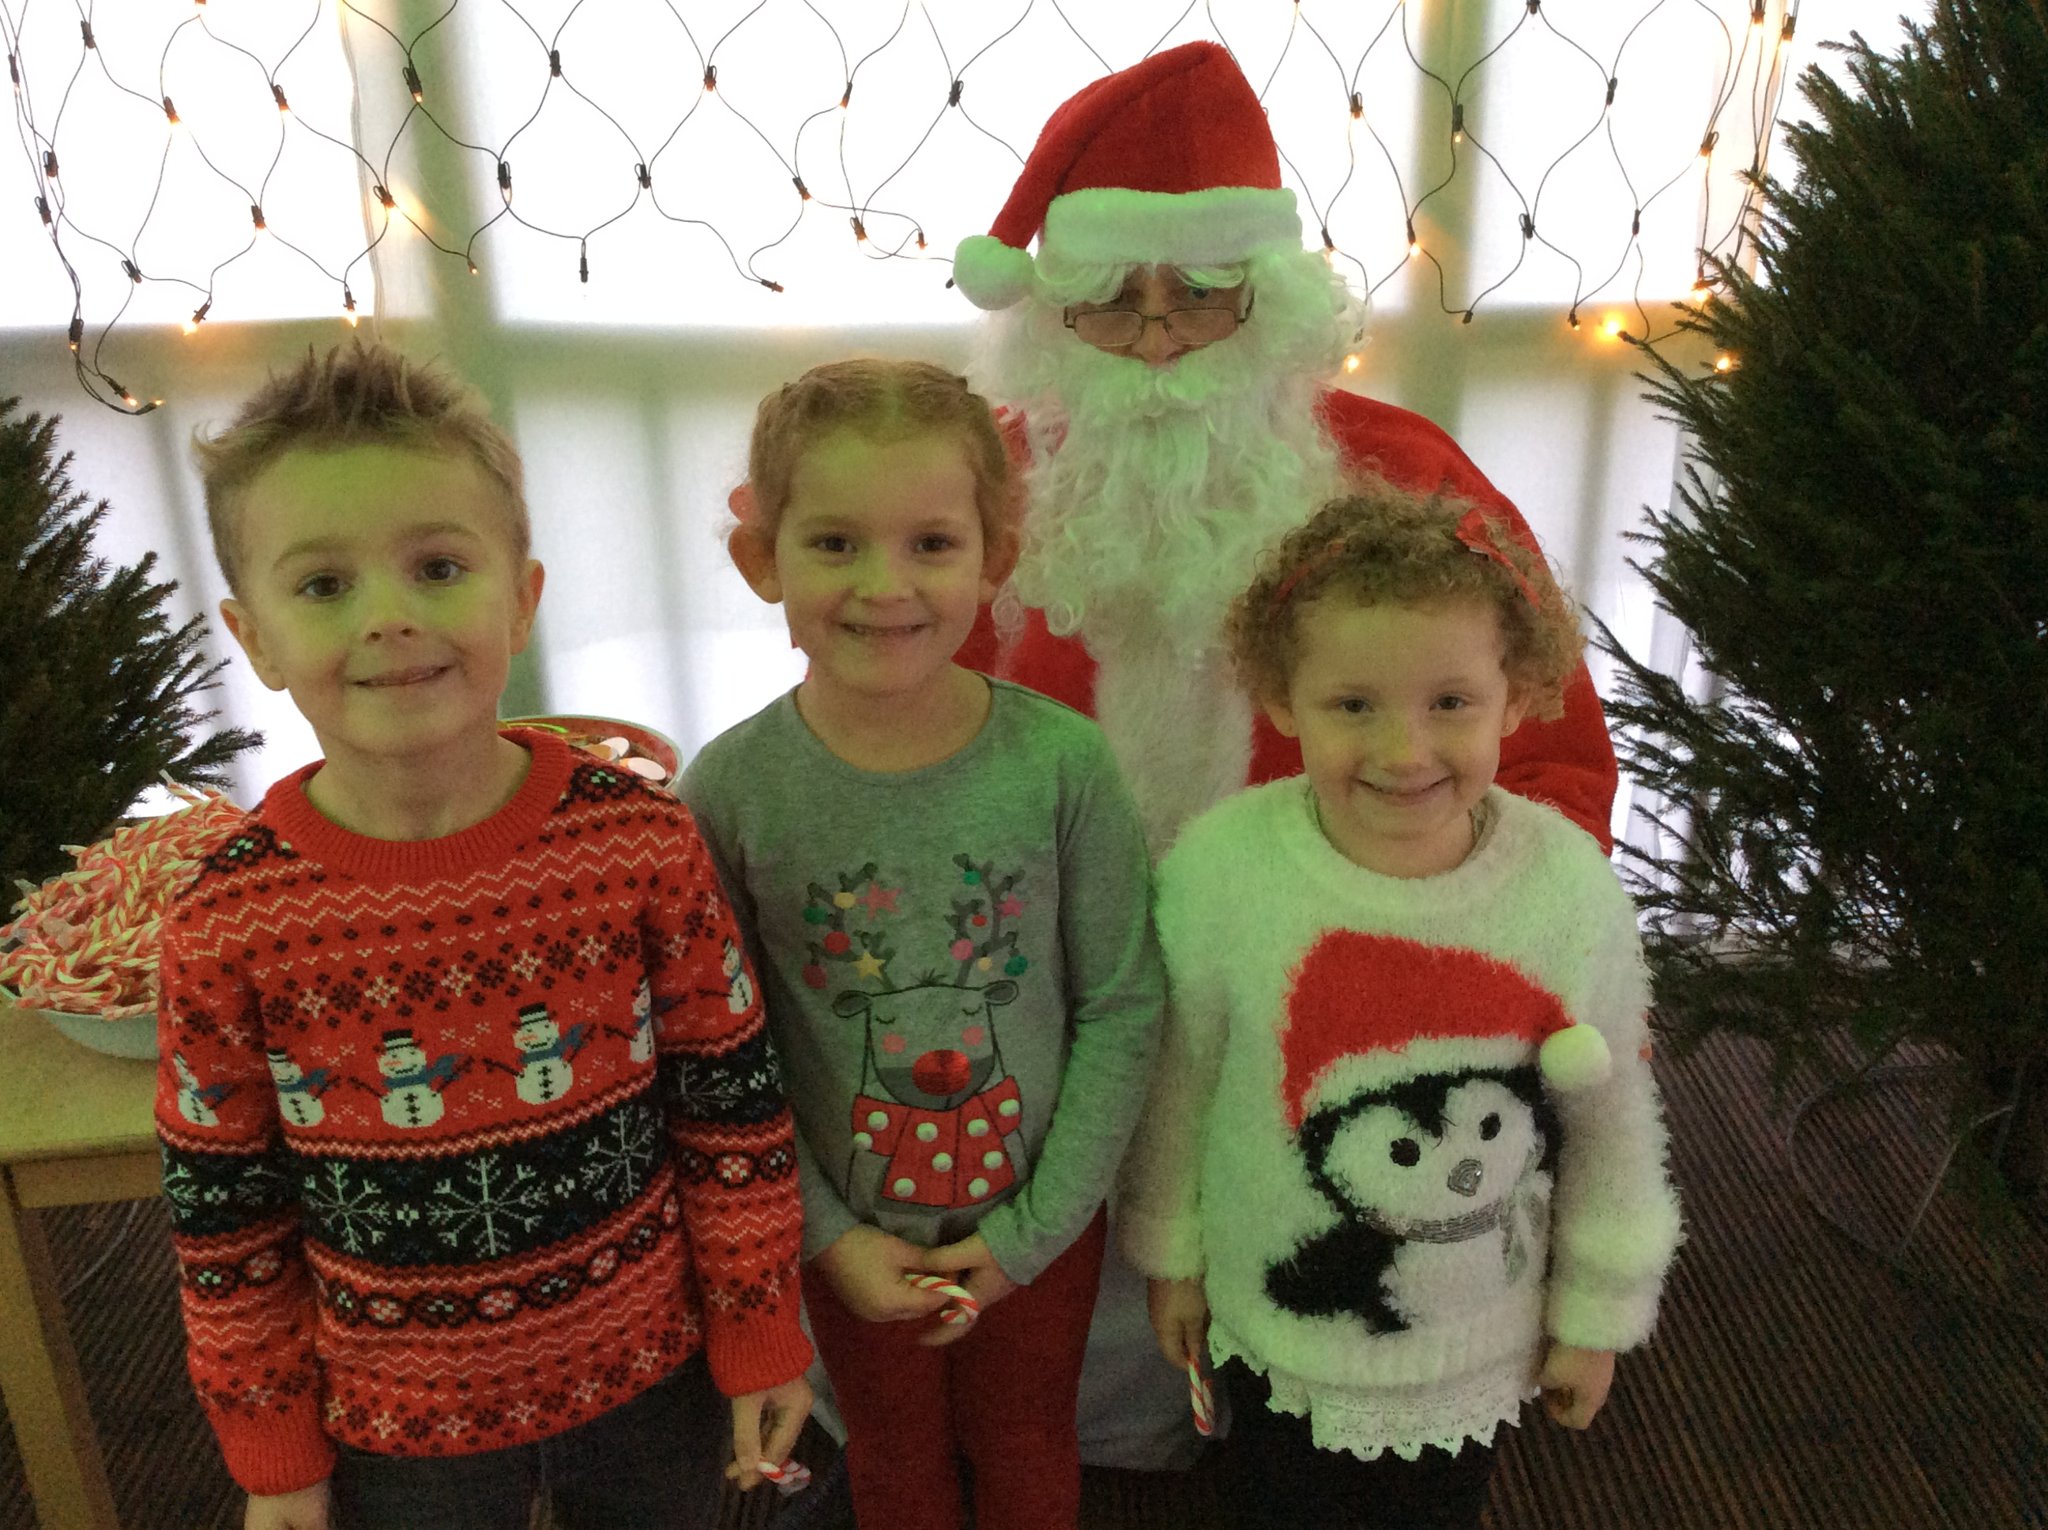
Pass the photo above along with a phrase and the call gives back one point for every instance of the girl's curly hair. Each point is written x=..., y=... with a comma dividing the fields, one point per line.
x=1385, y=543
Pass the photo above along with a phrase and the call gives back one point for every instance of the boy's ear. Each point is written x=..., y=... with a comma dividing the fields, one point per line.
x=527, y=593
x=755, y=561
x=236, y=618
x=741, y=503
x=1281, y=715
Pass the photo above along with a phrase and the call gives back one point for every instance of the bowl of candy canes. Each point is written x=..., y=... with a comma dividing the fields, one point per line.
x=632, y=746
x=82, y=948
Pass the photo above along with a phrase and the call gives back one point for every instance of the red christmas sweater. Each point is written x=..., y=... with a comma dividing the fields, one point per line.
x=1568, y=762
x=468, y=1140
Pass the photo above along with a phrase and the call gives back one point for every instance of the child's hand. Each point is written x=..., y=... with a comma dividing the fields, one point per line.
x=866, y=1267
x=976, y=1272
x=1575, y=1383
x=1180, y=1318
x=784, y=1408
x=304, y=1510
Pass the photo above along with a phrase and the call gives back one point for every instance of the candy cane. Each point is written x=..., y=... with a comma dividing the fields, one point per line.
x=960, y=1311
x=86, y=941
x=1201, y=1397
x=790, y=1477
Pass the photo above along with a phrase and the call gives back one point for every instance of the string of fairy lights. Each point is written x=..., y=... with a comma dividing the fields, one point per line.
x=382, y=62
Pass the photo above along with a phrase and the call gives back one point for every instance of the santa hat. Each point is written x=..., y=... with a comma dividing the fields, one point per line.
x=1365, y=1012
x=1169, y=162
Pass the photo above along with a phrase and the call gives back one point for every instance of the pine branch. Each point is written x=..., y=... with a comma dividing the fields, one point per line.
x=103, y=695
x=1859, y=546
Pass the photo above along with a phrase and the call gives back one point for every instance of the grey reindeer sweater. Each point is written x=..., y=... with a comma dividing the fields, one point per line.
x=958, y=965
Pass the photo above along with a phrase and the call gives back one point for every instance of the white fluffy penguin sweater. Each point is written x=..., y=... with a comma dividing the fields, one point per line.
x=1381, y=1130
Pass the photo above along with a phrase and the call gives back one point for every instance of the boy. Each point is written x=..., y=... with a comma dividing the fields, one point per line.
x=486, y=1265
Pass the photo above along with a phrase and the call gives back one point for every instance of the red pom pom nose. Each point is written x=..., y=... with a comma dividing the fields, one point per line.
x=944, y=1072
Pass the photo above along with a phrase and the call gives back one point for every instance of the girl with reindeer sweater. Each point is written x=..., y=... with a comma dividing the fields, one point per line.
x=946, y=888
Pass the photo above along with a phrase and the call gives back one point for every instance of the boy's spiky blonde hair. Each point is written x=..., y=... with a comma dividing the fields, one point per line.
x=356, y=395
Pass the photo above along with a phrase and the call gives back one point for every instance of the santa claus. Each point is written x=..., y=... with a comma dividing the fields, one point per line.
x=1167, y=361
x=1168, y=356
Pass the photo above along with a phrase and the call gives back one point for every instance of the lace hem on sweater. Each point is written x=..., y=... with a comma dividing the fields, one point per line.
x=1398, y=1419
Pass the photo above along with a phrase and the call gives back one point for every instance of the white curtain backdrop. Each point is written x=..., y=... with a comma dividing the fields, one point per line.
x=630, y=396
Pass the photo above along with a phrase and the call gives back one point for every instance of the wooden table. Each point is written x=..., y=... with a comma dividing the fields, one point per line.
x=75, y=1128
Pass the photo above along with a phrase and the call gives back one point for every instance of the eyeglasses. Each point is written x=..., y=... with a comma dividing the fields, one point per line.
x=1118, y=329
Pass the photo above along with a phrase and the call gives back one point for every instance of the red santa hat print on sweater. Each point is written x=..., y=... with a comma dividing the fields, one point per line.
x=1365, y=1011
x=1169, y=162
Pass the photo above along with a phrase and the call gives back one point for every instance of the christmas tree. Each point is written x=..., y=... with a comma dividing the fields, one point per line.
x=99, y=692
x=1858, y=826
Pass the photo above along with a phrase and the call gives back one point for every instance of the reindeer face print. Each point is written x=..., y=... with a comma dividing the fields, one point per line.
x=936, y=1116
x=931, y=1045
x=1412, y=1179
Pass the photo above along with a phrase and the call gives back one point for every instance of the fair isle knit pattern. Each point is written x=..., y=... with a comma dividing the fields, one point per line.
x=1351, y=1140
x=469, y=1140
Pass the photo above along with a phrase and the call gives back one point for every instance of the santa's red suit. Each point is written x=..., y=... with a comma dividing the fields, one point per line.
x=1567, y=763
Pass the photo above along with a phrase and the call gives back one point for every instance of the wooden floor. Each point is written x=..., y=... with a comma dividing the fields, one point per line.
x=1797, y=1382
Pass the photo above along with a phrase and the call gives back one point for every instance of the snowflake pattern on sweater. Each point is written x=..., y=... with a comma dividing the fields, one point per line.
x=468, y=1141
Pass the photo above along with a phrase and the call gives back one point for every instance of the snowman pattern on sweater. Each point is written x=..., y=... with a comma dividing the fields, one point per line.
x=1421, y=1116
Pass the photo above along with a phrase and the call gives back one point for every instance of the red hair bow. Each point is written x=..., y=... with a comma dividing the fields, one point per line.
x=1474, y=528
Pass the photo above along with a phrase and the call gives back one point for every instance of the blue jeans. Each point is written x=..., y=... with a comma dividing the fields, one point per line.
x=655, y=1463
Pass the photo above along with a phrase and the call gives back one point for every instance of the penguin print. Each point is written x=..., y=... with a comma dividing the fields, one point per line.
x=1438, y=1181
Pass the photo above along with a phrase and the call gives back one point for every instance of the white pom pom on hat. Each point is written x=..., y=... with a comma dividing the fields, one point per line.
x=1574, y=1058
x=1169, y=162
x=991, y=273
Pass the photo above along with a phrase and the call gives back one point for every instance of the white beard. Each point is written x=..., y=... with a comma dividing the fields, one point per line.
x=1154, y=492
x=1181, y=734
x=1156, y=489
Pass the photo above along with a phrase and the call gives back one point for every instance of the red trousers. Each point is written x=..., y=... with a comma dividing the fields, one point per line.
x=1003, y=1397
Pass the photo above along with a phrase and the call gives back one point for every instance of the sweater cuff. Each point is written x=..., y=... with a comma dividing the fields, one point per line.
x=274, y=1455
x=1606, y=1274
x=1013, y=1252
x=1160, y=1247
x=759, y=1351
x=1599, y=1319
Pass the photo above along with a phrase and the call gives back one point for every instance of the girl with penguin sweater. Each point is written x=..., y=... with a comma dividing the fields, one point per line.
x=1402, y=1164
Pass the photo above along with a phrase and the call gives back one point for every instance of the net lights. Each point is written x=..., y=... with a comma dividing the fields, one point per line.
x=900, y=233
